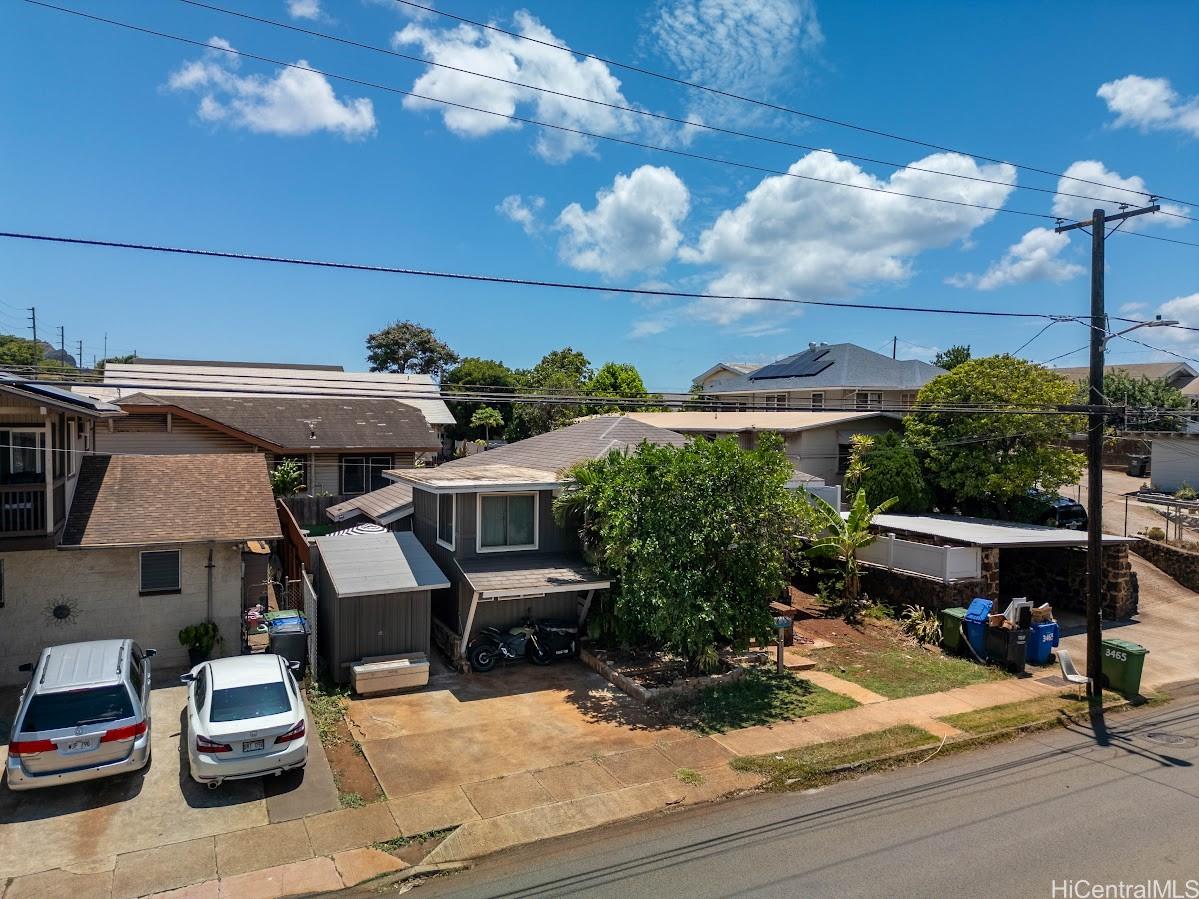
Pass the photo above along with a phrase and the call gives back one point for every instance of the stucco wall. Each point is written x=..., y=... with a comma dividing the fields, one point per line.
x=1175, y=462
x=101, y=586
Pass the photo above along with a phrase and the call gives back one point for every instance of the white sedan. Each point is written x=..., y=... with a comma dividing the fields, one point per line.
x=245, y=718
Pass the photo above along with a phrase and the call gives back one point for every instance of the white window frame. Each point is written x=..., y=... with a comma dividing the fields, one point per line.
x=816, y=400
x=453, y=521
x=480, y=548
x=864, y=399
x=178, y=588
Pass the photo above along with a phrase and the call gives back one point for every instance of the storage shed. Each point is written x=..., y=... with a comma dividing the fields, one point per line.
x=373, y=597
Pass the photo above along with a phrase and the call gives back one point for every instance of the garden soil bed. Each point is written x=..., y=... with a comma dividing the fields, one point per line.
x=351, y=771
x=871, y=635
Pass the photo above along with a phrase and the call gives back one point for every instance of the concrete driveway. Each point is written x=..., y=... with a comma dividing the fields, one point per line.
x=514, y=738
x=84, y=826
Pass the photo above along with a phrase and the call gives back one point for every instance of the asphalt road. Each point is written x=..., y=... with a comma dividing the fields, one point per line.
x=1009, y=820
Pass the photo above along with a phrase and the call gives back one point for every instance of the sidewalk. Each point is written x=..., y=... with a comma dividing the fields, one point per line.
x=333, y=850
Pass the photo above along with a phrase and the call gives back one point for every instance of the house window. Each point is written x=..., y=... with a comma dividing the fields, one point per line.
x=507, y=521
x=817, y=400
x=907, y=400
x=160, y=572
x=869, y=399
x=362, y=474
x=445, y=520
x=24, y=459
x=775, y=400
x=843, y=452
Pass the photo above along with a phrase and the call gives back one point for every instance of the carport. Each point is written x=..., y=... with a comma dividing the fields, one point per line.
x=373, y=597
x=1041, y=563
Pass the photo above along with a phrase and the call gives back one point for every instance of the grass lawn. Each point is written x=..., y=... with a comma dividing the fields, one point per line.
x=1020, y=714
x=900, y=671
x=760, y=697
x=800, y=769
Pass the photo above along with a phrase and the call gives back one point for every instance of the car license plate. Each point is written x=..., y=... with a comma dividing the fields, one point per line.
x=251, y=745
x=81, y=745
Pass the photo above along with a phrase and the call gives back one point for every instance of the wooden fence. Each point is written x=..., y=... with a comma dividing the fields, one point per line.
x=310, y=510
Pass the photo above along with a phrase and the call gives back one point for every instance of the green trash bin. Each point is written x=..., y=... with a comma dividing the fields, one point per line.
x=1123, y=662
x=951, y=628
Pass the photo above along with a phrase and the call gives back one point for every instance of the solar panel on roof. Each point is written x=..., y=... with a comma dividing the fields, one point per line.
x=804, y=365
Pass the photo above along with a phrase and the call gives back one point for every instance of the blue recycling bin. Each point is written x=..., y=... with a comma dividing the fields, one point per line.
x=1042, y=638
x=975, y=625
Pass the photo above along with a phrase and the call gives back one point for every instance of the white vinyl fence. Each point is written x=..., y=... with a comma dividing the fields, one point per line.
x=946, y=563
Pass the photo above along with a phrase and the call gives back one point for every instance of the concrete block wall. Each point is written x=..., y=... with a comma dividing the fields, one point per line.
x=101, y=587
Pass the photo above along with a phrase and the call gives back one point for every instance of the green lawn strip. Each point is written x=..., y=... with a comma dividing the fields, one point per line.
x=1027, y=712
x=896, y=673
x=810, y=766
x=327, y=703
x=759, y=697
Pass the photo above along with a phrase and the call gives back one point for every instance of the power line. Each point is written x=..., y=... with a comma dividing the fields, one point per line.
x=1048, y=325
x=635, y=110
x=529, y=121
x=518, y=282
x=766, y=104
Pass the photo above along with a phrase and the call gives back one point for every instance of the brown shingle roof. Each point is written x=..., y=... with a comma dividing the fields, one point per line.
x=143, y=500
x=525, y=574
x=381, y=506
x=289, y=422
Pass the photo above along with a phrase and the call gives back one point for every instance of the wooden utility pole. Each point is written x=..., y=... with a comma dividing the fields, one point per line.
x=894, y=343
x=1096, y=409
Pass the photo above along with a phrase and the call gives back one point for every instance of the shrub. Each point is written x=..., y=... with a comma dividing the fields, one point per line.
x=1186, y=493
x=920, y=624
x=1155, y=534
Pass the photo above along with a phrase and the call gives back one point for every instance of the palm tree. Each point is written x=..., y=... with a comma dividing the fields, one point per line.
x=841, y=537
x=487, y=418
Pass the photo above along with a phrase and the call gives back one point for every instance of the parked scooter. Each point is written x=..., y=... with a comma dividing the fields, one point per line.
x=539, y=641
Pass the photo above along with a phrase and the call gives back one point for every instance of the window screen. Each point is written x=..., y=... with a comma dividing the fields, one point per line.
x=160, y=571
x=445, y=518
x=507, y=520
x=353, y=474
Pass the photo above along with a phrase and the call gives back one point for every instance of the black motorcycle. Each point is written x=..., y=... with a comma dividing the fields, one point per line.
x=539, y=641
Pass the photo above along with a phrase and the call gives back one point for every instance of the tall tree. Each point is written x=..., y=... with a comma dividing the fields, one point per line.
x=616, y=379
x=689, y=589
x=887, y=467
x=486, y=417
x=468, y=376
x=408, y=347
x=953, y=357
x=982, y=462
x=20, y=351
x=1122, y=389
x=560, y=373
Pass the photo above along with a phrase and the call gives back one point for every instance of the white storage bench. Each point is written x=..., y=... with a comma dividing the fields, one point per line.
x=386, y=674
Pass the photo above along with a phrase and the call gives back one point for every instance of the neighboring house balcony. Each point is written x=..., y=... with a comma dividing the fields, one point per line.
x=33, y=490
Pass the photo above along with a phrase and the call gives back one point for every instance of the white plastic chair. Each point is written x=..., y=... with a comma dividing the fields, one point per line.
x=1070, y=673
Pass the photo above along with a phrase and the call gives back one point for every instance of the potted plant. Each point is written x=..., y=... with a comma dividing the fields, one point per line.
x=199, y=640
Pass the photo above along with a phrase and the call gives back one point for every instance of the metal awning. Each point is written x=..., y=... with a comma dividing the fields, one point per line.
x=369, y=564
x=528, y=575
x=988, y=532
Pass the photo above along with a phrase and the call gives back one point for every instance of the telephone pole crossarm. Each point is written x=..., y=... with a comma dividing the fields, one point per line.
x=1118, y=217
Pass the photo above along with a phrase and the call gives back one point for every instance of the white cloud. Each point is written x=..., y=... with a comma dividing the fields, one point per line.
x=742, y=46
x=1150, y=104
x=633, y=227
x=292, y=102
x=1183, y=309
x=524, y=212
x=1130, y=190
x=798, y=238
x=305, y=9
x=498, y=55
x=1133, y=307
x=1033, y=258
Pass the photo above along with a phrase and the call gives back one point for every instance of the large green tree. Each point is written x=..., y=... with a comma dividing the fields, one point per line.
x=486, y=417
x=1136, y=393
x=474, y=375
x=980, y=452
x=560, y=373
x=953, y=357
x=698, y=539
x=20, y=351
x=408, y=347
x=616, y=379
x=887, y=468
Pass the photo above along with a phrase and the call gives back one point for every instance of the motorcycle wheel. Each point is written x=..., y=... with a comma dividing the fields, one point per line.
x=482, y=658
x=539, y=656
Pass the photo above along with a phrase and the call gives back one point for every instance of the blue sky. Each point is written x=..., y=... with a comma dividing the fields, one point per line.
x=118, y=135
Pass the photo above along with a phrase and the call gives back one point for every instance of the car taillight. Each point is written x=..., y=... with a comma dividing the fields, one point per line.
x=294, y=734
x=132, y=732
x=205, y=745
x=30, y=747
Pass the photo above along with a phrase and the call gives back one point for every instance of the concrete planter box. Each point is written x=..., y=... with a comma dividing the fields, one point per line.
x=654, y=695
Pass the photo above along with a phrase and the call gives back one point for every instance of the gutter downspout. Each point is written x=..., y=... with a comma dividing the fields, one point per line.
x=210, y=566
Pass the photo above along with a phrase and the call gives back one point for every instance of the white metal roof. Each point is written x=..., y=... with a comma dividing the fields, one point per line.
x=988, y=531
x=124, y=378
x=753, y=420
x=368, y=564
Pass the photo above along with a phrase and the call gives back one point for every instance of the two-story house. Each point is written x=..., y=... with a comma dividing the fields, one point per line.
x=97, y=546
x=488, y=523
x=824, y=377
